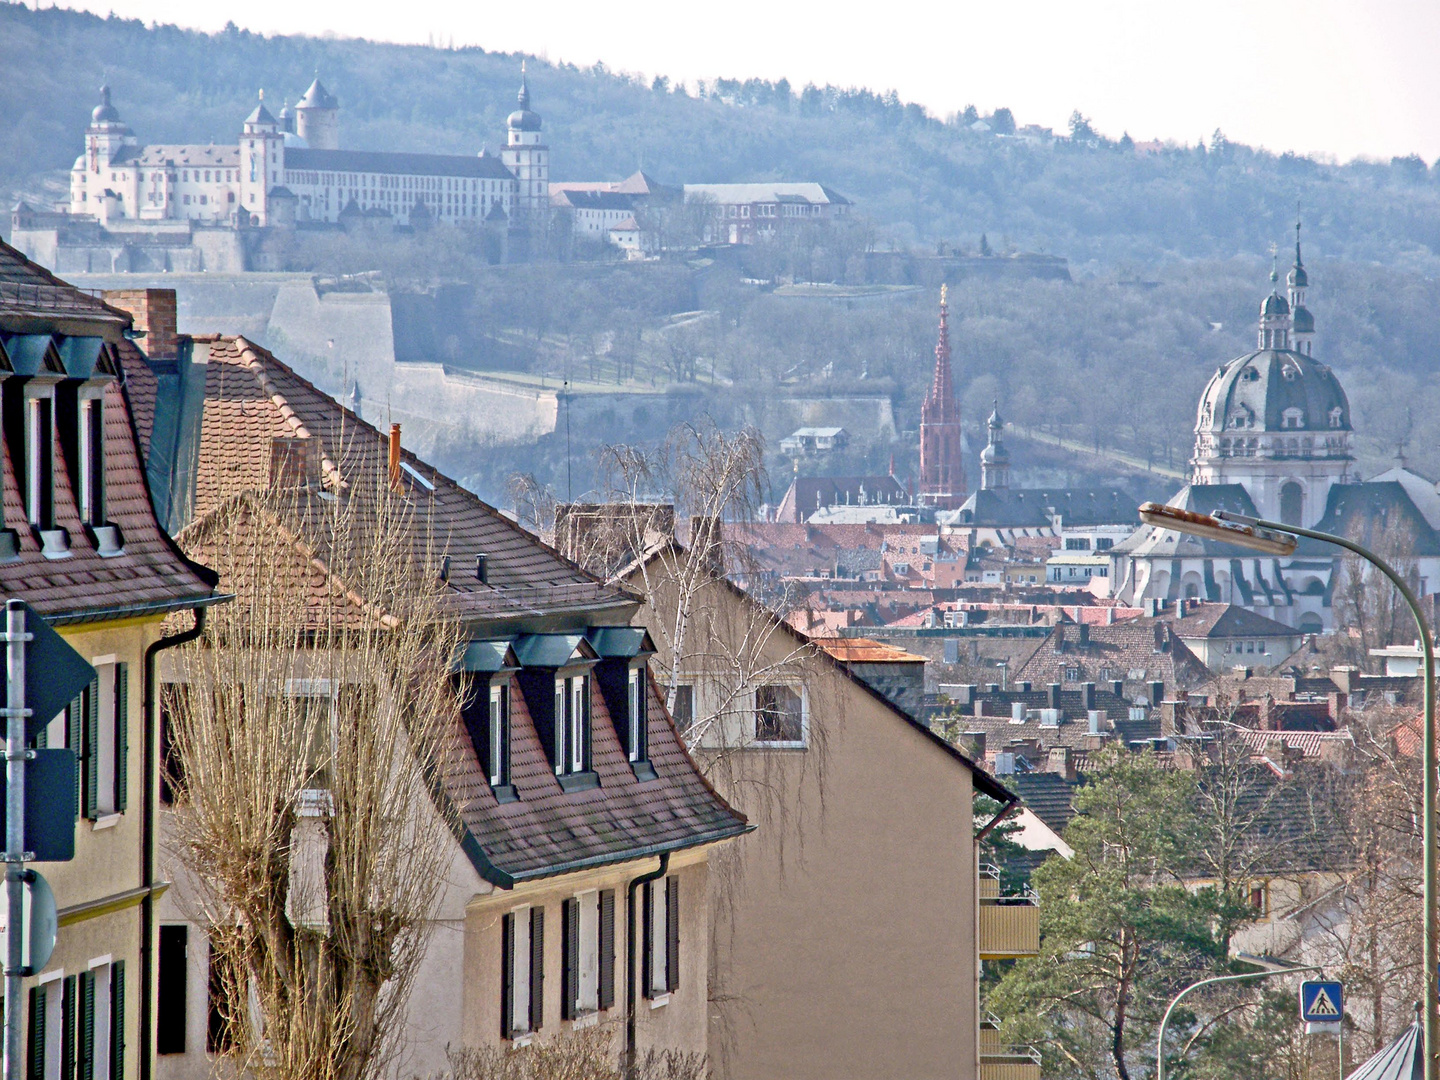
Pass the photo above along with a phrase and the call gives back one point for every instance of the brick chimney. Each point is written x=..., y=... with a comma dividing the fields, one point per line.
x=153, y=313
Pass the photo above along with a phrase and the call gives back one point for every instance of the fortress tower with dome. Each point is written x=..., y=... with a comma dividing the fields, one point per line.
x=1273, y=439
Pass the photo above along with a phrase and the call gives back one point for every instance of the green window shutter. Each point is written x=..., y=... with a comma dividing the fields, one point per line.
x=67, y=1029
x=117, y=1020
x=507, y=976
x=75, y=740
x=569, y=957
x=537, y=968
x=122, y=735
x=672, y=933
x=607, y=949
x=87, y=1026
x=91, y=740
x=35, y=1062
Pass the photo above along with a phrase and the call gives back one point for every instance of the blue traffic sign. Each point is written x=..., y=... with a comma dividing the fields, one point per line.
x=1322, y=1002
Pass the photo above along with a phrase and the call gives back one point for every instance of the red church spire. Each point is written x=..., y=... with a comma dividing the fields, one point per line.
x=942, y=468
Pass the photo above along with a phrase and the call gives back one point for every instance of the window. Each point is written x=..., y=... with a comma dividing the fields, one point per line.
x=522, y=971
x=637, y=715
x=1259, y=899
x=223, y=998
x=1072, y=674
x=92, y=461
x=95, y=728
x=572, y=725
x=76, y=1025
x=314, y=703
x=684, y=711
x=498, y=765
x=587, y=954
x=660, y=961
x=173, y=982
x=40, y=461
x=779, y=714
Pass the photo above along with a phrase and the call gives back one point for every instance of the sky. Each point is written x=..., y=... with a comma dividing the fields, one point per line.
x=1336, y=78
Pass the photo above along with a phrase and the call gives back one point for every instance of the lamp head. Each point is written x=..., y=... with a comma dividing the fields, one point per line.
x=1241, y=534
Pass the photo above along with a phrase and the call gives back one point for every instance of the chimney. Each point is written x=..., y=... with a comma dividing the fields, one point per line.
x=1052, y=699
x=1157, y=692
x=153, y=315
x=1087, y=695
x=976, y=739
x=482, y=568
x=992, y=688
x=395, y=456
x=1060, y=761
x=1180, y=606
x=1152, y=606
x=1023, y=687
x=294, y=463
x=1094, y=717
x=1117, y=687
x=1109, y=616
x=1084, y=631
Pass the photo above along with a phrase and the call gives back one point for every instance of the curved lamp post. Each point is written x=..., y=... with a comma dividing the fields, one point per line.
x=1274, y=538
x=1267, y=973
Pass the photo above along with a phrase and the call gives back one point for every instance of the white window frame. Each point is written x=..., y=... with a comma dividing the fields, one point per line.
x=92, y=454
x=635, y=701
x=520, y=972
x=587, y=954
x=39, y=456
x=498, y=720
x=658, y=940
x=780, y=744
x=316, y=801
x=106, y=744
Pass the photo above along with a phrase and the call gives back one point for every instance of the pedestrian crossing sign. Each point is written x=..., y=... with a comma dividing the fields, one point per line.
x=1321, y=1002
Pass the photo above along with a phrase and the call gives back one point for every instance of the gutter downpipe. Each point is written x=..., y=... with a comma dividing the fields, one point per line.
x=630, y=958
x=147, y=842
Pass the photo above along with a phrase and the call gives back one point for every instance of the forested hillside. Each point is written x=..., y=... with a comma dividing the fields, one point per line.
x=920, y=178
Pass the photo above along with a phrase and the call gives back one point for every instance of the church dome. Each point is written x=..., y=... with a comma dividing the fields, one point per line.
x=1275, y=304
x=1297, y=278
x=522, y=119
x=1273, y=390
x=104, y=113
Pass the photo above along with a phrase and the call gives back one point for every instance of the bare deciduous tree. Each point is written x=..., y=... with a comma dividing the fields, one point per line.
x=306, y=725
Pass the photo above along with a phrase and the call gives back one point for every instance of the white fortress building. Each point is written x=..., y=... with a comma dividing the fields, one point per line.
x=289, y=169
x=1273, y=440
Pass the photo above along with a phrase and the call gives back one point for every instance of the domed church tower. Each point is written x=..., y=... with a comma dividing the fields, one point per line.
x=995, y=459
x=1275, y=420
x=1302, y=322
x=527, y=156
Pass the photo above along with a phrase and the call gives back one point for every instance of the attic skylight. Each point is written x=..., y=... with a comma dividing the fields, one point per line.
x=419, y=479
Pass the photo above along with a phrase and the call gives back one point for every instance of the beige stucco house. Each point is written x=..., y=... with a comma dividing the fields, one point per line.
x=847, y=931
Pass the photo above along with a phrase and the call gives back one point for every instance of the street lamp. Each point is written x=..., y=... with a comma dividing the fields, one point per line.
x=1269, y=968
x=1273, y=538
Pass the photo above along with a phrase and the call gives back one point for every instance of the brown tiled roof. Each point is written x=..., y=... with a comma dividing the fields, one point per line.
x=1130, y=652
x=858, y=650
x=548, y=831
x=1206, y=620
x=151, y=574
x=252, y=398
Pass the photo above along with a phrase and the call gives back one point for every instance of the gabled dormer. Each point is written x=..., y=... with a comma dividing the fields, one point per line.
x=486, y=669
x=554, y=676
x=29, y=421
x=90, y=367
x=623, y=675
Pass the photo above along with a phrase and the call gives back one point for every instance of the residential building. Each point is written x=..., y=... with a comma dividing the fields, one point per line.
x=566, y=776
x=81, y=544
x=1136, y=653
x=747, y=213
x=1273, y=439
x=845, y=772
x=814, y=440
x=1227, y=635
x=810, y=495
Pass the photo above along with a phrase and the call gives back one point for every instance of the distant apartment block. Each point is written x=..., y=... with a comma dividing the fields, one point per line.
x=745, y=213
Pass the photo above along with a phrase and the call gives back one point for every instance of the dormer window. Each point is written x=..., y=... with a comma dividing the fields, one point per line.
x=485, y=672
x=1292, y=418
x=636, y=719
x=1335, y=416
x=572, y=724
x=497, y=765
x=92, y=461
x=40, y=461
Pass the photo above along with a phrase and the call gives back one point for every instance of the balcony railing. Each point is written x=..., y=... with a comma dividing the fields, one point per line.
x=1009, y=1063
x=1009, y=925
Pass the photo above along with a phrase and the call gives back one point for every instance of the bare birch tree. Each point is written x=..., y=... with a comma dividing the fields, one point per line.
x=306, y=725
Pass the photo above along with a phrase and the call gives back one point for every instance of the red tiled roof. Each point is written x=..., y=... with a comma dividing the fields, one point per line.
x=859, y=650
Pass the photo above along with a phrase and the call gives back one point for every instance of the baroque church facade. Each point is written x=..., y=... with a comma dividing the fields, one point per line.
x=1273, y=439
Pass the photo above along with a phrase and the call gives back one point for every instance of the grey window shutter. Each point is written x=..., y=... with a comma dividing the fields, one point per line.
x=507, y=976
x=67, y=1029
x=607, y=949
x=91, y=741
x=36, y=1060
x=75, y=740
x=87, y=1026
x=672, y=933
x=537, y=968
x=569, y=949
x=647, y=894
x=122, y=738
x=117, y=1020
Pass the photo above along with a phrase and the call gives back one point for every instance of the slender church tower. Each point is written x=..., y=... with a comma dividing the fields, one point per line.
x=995, y=459
x=942, y=468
